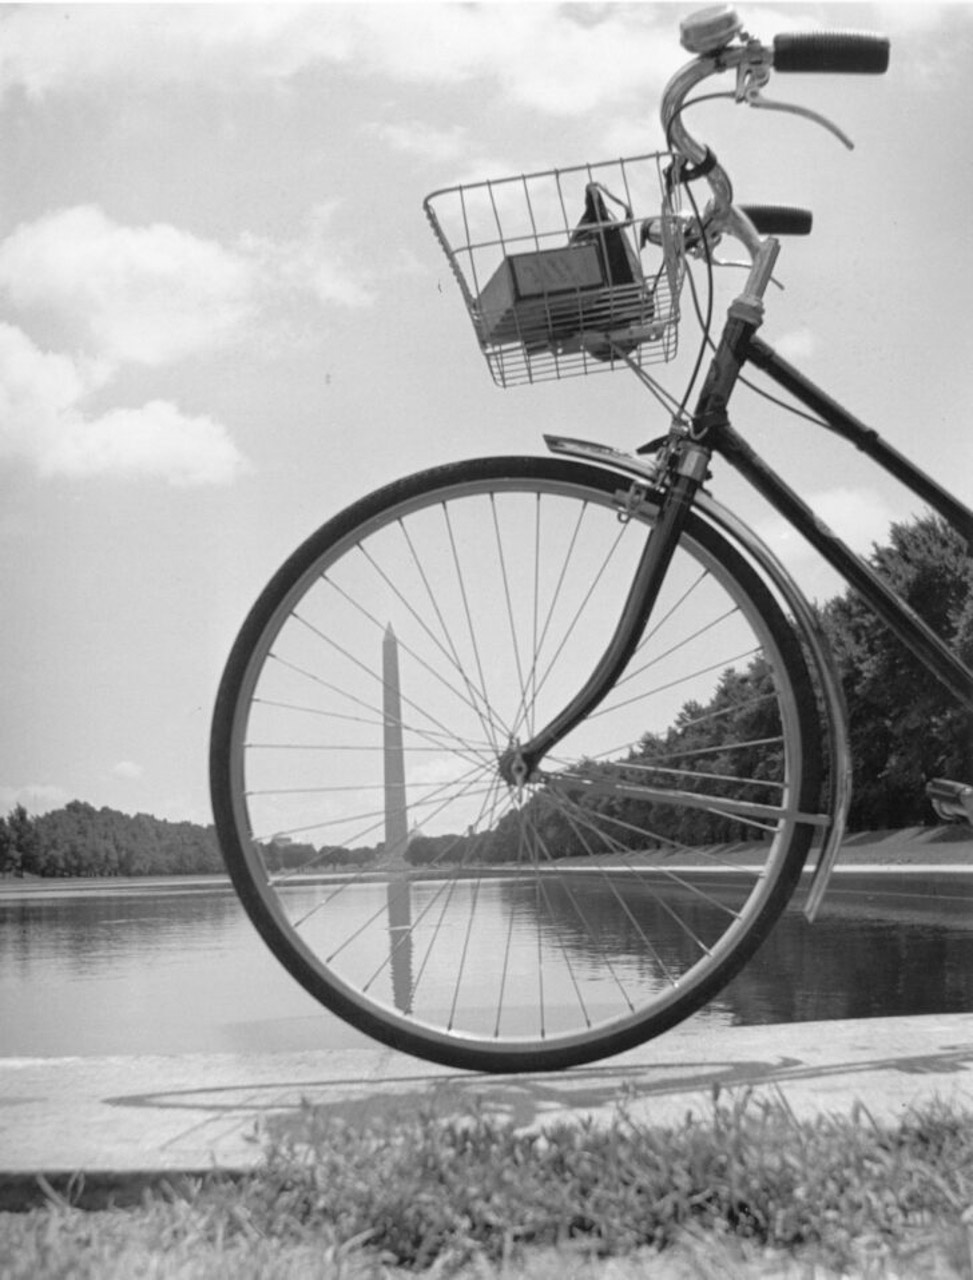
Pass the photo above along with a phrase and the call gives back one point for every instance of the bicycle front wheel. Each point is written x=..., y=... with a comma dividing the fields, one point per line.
x=372, y=691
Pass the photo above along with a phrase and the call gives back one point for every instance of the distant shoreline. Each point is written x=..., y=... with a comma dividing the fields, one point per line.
x=12, y=887
x=916, y=848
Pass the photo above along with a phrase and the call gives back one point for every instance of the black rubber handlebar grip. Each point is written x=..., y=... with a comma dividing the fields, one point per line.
x=779, y=219
x=850, y=52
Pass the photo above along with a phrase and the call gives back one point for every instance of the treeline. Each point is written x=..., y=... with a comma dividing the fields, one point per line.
x=80, y=840
x=905, y=728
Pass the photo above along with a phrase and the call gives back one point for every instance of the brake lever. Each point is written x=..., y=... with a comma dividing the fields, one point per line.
x=745, y=266
x=751, y=78
x=753, y=98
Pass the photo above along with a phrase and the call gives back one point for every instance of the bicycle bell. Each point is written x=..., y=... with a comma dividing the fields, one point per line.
x=709, y=30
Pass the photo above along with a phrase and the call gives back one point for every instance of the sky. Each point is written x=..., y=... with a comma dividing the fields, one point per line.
x=223, y=316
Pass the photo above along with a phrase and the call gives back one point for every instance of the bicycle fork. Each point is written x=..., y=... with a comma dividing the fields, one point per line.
x=519, y=762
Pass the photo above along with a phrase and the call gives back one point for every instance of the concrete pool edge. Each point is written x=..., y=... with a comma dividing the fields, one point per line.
x=105, y=1126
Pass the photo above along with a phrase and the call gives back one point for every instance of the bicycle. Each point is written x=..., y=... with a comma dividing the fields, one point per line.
x=516, y=761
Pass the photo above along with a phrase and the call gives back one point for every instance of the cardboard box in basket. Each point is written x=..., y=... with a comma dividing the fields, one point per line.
x=542, y=294
x=549, y=296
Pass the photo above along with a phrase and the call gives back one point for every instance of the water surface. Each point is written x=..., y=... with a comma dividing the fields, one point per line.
x=176, y=967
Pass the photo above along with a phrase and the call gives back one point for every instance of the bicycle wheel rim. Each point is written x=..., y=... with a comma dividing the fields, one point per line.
x=484, y=886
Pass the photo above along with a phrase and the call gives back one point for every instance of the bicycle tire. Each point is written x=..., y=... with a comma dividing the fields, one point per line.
x=528, y=928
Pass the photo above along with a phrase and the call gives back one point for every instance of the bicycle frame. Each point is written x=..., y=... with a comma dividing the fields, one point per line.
x=738, y=346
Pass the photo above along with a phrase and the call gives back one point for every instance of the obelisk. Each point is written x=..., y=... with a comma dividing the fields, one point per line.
x=396, y=812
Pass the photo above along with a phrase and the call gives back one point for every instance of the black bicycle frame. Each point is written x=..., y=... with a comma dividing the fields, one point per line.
x=739, y=345
x=893, y=611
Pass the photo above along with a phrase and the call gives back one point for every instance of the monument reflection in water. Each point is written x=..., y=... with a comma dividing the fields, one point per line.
x=396, y=829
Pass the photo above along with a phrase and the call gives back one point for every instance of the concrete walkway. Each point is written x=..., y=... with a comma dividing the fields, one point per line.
x=122, y=1121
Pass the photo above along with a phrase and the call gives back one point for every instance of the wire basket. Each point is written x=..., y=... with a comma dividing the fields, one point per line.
x=556, y=270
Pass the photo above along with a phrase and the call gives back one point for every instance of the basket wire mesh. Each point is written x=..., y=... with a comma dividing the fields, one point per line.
x=555, y=271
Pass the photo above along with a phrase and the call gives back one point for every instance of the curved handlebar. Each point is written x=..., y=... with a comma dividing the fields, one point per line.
x=829, y=51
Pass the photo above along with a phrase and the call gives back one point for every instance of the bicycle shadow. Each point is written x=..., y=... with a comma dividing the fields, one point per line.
x=280, y=1107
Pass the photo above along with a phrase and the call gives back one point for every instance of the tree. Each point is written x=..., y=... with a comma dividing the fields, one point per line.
x=9, y=854
x=905, y=727
x=23, y=838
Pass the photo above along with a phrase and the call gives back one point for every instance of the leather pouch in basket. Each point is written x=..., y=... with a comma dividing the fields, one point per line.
x=628, y=300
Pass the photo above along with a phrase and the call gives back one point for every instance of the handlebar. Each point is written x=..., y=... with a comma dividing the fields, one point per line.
x=718, y=39
x=844, y=52
x=778, y=219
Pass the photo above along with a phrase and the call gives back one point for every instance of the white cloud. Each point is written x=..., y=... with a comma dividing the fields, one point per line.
x=907, y=18
x=38, y=389
x=147, y=296
x=561, y=59
x=157, y=294
x=155, y=440
x=427, y=142
x=158, y=45
x=314, y=263
x=860, y=517
x=37, y=798
x=42, y=420
x=799, y=344
x=128, y=771
x=140, y=295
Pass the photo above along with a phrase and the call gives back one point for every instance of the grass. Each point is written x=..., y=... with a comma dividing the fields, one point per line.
x=750, y=1191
